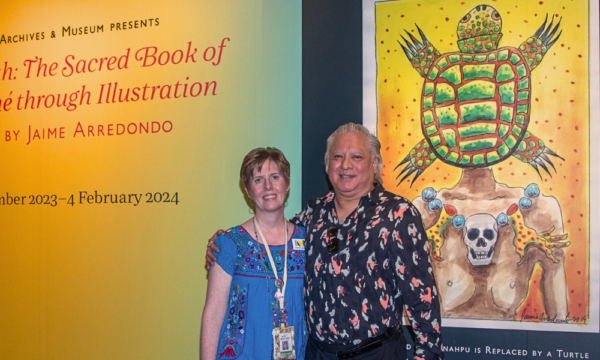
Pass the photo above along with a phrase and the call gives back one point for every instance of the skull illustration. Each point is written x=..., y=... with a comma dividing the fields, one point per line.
x=480, y=234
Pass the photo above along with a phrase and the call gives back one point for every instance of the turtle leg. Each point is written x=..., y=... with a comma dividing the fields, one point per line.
x=536, y=47
x=417, y=160
x=533, y=151
x=421, y=54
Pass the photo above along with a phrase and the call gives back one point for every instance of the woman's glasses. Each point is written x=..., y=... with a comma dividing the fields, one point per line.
x=332, y=243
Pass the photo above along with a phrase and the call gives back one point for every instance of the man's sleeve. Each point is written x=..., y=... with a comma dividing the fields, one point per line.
x=410, y=249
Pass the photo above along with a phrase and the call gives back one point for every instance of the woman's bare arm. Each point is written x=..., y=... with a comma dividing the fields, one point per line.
x=217, y=296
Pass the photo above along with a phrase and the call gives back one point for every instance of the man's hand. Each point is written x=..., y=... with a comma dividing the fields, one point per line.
x=211, y=259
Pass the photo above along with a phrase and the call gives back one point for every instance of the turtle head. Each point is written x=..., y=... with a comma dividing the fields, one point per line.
x=479, y=30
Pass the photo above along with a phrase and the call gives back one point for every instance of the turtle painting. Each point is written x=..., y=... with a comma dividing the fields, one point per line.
x=476, y=103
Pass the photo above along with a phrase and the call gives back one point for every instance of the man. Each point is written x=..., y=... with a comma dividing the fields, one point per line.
x=366, y=259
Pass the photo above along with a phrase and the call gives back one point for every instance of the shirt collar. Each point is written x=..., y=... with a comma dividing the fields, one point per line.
x=372, y=196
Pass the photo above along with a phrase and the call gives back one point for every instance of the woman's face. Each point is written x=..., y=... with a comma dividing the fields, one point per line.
x=268, y=188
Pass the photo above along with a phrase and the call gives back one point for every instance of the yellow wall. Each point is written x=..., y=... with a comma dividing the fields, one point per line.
x=118, y=281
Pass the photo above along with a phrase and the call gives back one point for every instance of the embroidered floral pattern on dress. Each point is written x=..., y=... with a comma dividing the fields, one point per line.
x=253, y=258
x=233, y=339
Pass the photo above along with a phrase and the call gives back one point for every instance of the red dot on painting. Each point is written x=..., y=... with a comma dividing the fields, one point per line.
x=387, y=30
x=447, y=19
x=525, y=22
x=578, y=25
x=579, y=54
x=572, y=100
x=388, y=51
x=402, y=15
x=512, y=173
x=572, y=255
x=568, y=71
x=579, y=273
x=536, y=122
x=561, y=45
x=500, y=169
x=382, y=41
x=551, y=140
x=556, y=15
x=536, y=99
x=545, y=120
x=580, y=215
x=559, y=114
x=412, y=119
x=414, y=100
x=554, y=90
x=576, y=127
x=575, y=150
x=402, y=145
x=418, y=4
x=385, y=80
x=541, y=2
x=572, y=291
x=572, y=196
x=387, y=148
x=408, y=134
x=385, y=125
x=572, y=82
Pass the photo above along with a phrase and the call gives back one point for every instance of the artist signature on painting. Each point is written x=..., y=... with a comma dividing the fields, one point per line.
x=543, y=317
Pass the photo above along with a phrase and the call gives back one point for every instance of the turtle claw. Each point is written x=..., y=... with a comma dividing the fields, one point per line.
x=415, y=48
x=546, y=33
x=550, y=152
x=411, y=169
x=423, y=38
x=540, y=162
x=404, y=161
x=409, y=55
x=543, y=159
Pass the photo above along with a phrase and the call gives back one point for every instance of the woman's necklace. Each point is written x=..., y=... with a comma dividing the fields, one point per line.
x=280, y=284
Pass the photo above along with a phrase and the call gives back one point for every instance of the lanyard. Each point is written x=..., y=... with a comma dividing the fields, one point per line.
x=281, y=289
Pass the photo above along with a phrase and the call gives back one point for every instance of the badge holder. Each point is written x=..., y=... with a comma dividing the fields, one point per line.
x=283, y=343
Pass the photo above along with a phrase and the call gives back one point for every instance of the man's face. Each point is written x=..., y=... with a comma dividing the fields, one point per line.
x=351, y=169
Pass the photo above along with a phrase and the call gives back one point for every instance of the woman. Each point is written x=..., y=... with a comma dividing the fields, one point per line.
x=251, y=310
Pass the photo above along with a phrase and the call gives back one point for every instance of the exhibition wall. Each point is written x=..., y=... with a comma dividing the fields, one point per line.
x=123, y=126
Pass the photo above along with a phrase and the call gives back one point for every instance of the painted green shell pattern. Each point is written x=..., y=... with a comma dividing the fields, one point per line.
x=475, y=107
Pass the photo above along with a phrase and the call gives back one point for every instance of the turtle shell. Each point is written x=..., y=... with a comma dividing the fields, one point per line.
x=475, y=107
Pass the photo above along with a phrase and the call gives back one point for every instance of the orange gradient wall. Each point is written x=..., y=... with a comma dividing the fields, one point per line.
x=82, y=277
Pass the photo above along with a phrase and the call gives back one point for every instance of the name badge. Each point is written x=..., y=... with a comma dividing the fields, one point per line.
x=283, y=343
x=298, y=244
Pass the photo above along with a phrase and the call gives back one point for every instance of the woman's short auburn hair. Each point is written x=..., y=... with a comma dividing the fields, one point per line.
x=255, y=160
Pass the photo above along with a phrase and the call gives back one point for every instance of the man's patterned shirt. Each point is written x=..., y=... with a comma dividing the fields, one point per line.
x=381, y=265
